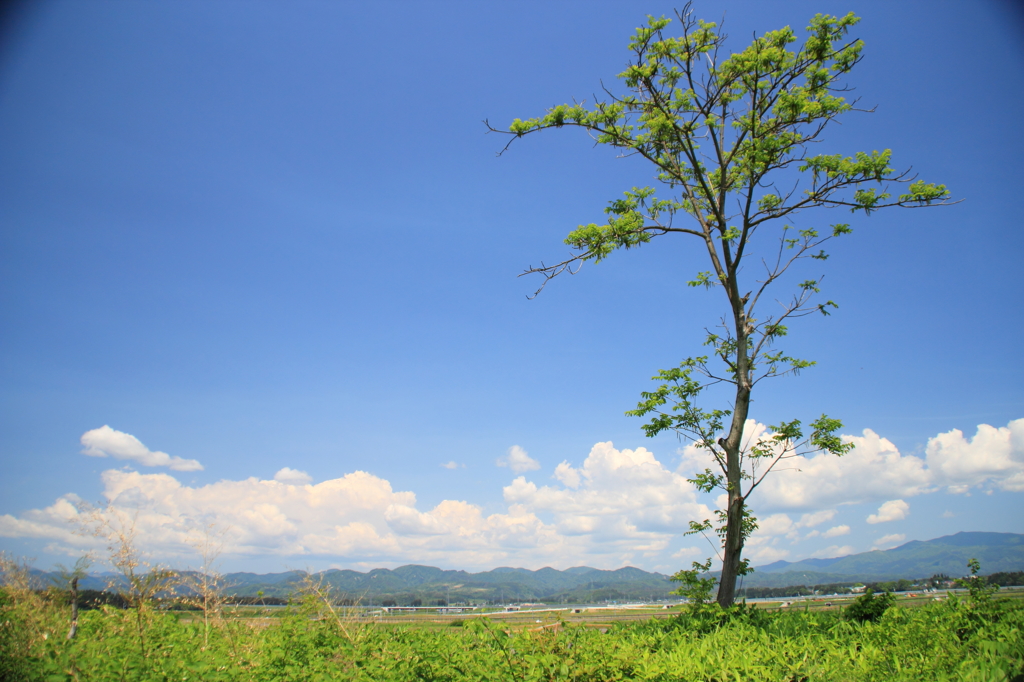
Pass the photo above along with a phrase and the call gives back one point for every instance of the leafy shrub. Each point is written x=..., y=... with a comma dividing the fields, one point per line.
x=698, y=590
x=979, y=591
x=947, y=640
x=868, y=607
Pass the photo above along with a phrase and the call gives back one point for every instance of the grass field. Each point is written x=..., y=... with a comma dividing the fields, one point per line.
x=970, y=637
x=597, y=616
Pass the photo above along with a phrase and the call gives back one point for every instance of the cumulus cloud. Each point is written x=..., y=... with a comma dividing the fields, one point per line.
x=617, y=507
x=765, y=544
x=518, y=460
x=107, y=442
x=764, y=552
x=351, y=516
x=567, y=475
x=876, y=470
x=615, y=495
x=293, y=476
x=626, y=506
x=816, y=518
x=57, y=522
x=686, y=553
x=889, y=541
x=833, y=532
x=453, y=465
x=873, y=469
x=893, y=510
x=776, y=524
x=993, y=456
x=833, y=551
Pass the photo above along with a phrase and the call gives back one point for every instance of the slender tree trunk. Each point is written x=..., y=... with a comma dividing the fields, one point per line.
x=733, y=549
x=74, y=608
x=732, y=553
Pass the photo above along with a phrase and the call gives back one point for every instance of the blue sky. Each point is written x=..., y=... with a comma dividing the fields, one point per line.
x=275, y=237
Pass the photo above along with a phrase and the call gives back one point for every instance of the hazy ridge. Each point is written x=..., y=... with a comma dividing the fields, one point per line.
x=916, y=559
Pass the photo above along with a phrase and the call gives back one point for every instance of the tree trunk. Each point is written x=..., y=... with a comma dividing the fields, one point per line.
x=74, y=608
x=733, y=549
x=732, y=554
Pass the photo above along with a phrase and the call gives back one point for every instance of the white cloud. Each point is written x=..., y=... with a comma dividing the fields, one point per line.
x=627, y=507
x=106, y=442
x=618, y=507
x=833, y=551
x=453, y=465
x=617, y=496
x=893, y=510
x=406, y=520
x=836, y=531
x=993, y=455
x=876, y=470
x=763, y=549
x=873, y=469
x=518, y=460
x=56, y=522
x=763, y=545
x=889, y=541
x=948, y=514
x=687, y=553
x=292, y=476
x=816, y=518
x=569, y=477
x=776, y=524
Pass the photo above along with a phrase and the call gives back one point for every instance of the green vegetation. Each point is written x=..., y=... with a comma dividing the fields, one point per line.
x=870, y=608
x=976, y=637
x=1004, y=578
x=938, y=641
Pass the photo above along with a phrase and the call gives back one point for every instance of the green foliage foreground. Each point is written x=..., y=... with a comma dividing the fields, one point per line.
x=956, y=639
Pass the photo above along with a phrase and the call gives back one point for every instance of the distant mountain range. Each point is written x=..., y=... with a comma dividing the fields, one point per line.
x=406, y=584
x=949, y=554
x=430, y=585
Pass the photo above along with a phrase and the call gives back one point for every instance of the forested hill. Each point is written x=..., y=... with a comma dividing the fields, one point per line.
x=916, y=559
x=949, y=555
x=997, y=552
x=430, y=584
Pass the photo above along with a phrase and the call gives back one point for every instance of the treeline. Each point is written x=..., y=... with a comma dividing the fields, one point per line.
x=904, y=585
x=940, y=580
x=256, y=601
x=1002, y=579
x=1006, y=578
x=89, y=600
x=94, y=599
x=793, y=591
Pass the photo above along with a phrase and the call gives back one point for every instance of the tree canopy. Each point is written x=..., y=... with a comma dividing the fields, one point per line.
x=733, y=140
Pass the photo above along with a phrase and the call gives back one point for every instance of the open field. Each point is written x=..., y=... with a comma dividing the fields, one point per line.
x=598, y=616
x=967, y=636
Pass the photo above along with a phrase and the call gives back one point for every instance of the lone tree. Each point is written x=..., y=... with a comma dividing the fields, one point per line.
x=730, y=137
